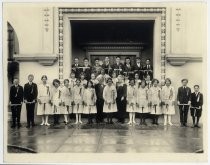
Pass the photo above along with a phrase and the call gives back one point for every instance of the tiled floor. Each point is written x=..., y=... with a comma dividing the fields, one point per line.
x=107, y=139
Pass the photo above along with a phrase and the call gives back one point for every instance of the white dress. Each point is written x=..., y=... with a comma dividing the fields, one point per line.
x=44, y=96
x=84, y=82
x=168, y=96
x=154, y=97
x=56, y=100
x=66, y=97
x=148, y=84
x=115, y=80
x=89, y=98
x=72, y=82
x=142, y=100
x=78, y=99
x=131, y=99
x=110, y=95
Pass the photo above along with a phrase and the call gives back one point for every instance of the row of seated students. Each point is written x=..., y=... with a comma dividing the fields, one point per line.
x=96, y=97
x=119, y=68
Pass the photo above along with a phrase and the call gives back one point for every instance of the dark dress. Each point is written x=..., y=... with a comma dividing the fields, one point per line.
x=99, y=102
x=121, y=104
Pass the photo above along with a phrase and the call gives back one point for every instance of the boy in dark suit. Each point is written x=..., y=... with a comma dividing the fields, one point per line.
x=16, y=100
x=184, y=100
x=107, y=66
x=118, y=67
x=87, y=69
x=75, y=67
x=100, y=101
x=30, y=96
x=196, y=105
x=138, y=68
x=97, y=67
x=148, y=69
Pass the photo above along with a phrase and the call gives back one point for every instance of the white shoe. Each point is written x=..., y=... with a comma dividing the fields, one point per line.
x=170, y=123
x=42, y=123
x=76, y=122
x=165, y=124
x=134, y=122
x=47, y=124
x=80, y=122
x=129, y=123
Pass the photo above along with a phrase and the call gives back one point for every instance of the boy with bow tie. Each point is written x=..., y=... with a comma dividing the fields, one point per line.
x=196, y=105
x=30, y=97
x=183, y=101
x=16, y=100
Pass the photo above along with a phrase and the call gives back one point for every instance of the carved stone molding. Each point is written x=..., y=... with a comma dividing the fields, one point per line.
x=43, y=59
x=160, y=11
x=181, y=59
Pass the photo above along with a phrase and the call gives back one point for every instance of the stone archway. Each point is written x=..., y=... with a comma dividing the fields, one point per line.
x=158, y=14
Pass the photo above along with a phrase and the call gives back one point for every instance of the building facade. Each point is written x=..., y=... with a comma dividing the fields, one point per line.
x=49, y=36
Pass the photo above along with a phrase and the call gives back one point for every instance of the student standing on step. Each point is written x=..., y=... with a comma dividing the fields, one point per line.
x=89, y=99
x=196, y=106
x=184, y=101
x=168, y=99
x=131, y=102
x=78, y=101
x=142, y=102
x=44, y=108
x=100, y=101
x=154, y=97
x=56, y=100
x=121, y=99
x=66, y=108
x=30, y=98
x=75, y=67
x=110, y=95
x=15, y=101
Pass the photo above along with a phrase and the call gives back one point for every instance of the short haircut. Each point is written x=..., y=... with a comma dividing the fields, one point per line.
x=15, y=78
x=168, y=79
x=76, y=58
x=96, y=59
x=44, y=76
x=148, y=59
x=138, y=58
x=72, y=73
x=78, y=79
x=131, y=80
x=109, y=79
x=85, y=59
x=153, y=81
x=66, y=80
x=30, y=75
x=196, y=86
x=128, y=58
x=92, y=86
x=142, y=81
x=184, y=80
x=117, y=57
x=82, y=73
x=56, y=81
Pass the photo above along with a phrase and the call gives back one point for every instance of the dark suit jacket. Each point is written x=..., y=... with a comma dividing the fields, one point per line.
x=88, y=72
x=120, y=66
x=139, y=70
x=196, y=101
x=183, y=96
x=148, y=72
x=107, y=68
x=30, y=92
x=76, y=70
x=16, y=94
x=99, y=91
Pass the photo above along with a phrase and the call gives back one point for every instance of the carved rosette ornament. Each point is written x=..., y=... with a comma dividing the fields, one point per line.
x=159, y=10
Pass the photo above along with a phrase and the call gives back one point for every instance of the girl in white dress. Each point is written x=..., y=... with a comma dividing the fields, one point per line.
x=137, y=80
x=83, y=80
x=148, y=81
x=168, y=99
x=114, y=78
x=142, y=102
x=78, y=101
x=44, y=107
x=66, y=107
x=154, y=97
x=56, y=100
x=109, y=95
x=93, y=79
x=72, y=79
x=89, y=98
x=131, y=102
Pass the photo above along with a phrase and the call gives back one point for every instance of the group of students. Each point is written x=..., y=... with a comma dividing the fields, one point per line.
x=101, y=94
